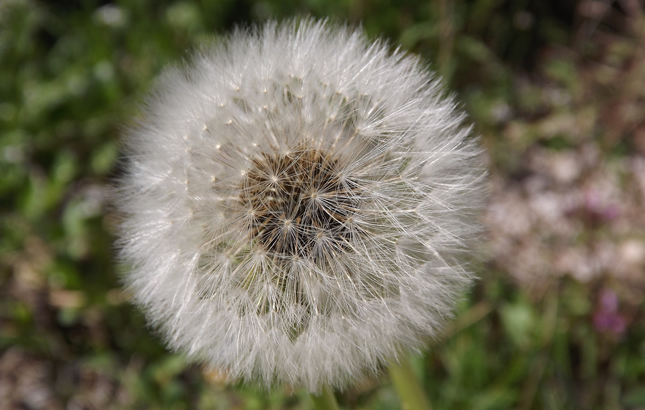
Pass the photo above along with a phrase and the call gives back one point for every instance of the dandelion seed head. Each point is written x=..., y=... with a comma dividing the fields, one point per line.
x=297, y=205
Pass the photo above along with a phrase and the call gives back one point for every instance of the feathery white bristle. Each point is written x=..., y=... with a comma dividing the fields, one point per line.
x=297, y=203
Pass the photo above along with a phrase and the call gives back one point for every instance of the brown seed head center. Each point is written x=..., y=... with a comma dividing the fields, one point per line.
x=299, y=203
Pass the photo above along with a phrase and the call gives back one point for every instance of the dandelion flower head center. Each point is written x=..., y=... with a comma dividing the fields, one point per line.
x=299, y=202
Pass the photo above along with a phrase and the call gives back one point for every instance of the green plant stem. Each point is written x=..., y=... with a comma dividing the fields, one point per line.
x=407, y=386
x=326, y=400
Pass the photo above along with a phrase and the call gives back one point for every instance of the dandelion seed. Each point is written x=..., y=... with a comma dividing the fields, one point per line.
x=311, y=226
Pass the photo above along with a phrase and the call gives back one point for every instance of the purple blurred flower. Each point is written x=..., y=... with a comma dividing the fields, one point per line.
x=597, y=210
x=607, y=319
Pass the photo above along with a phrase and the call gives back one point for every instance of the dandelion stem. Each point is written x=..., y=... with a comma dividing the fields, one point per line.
x=407, y=386
x=326, y=400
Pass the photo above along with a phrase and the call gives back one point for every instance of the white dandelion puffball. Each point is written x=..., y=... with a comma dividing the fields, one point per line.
x=297, y=205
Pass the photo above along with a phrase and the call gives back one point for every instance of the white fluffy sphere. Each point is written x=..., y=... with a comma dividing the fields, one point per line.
x=296, y=205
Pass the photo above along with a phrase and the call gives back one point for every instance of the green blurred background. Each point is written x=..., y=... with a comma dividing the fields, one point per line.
x=556, y=88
